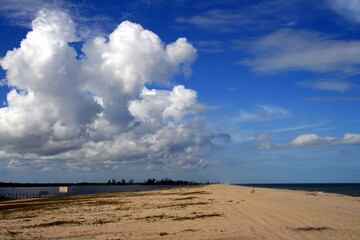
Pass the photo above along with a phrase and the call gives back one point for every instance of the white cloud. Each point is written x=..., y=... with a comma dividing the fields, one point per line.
x=51, y=98
x=328, y=85
x=165, y=104
x=349, y=9
x=313, y=140
x=309, y=140
x=351, y=138
x=263, y=113
x=83, y=113
x=302, y=50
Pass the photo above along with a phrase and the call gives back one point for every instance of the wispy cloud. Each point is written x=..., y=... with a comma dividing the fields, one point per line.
x=3, y=82
x=265, y=15
x=230, y=89
x=211, y=46
x=328, y=85
x=303, y=50
x=22, y=12
x=218, y=20
x=262, y=113
x=296, y=128
x=263, y=141
x=349, y=9
x=332, y=98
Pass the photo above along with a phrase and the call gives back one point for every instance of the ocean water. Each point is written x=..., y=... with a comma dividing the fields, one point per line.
x=25, y=192
x=350, y=189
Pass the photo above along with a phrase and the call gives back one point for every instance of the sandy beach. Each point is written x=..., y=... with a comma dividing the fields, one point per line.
x=206, y=212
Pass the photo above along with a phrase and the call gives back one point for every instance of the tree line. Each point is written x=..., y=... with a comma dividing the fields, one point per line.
x=150, y=181
x=153, y=181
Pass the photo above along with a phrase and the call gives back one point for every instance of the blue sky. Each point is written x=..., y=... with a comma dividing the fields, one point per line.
x=230, y=91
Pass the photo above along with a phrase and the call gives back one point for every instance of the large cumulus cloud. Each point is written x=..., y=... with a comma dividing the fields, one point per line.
x=92, y=108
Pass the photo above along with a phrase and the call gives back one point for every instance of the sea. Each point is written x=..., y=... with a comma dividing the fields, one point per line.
x=350, y=189
x=28, y=192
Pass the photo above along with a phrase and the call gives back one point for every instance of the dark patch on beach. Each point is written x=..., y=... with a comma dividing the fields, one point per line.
x=102, y=202
x=154, y=217
x=193, y=216
x=193, y=193
x=185, y=198
x=199, y=216
x=11, y=233
x=56, y=223
x=104, y=221
x=311, y=228
x=182, y=205
x=7, y=207
x=189, y=230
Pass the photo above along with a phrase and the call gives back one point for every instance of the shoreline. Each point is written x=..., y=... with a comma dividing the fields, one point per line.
x=198, y=212
x=24, y=192
x=348, y=189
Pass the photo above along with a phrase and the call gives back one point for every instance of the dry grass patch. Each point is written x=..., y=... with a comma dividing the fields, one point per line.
x=154, y=217
x=185, y=198
x=195, y=215
x=11, y=233
x=55, y=223
x=122, y=208
x=104, y=202
x=104, y=221
x=189, y=230
x=194, y=193
x=25, y=217
x=182, y=205
x=198, y=216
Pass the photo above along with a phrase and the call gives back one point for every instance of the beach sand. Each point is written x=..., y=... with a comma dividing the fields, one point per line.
x=206, y=212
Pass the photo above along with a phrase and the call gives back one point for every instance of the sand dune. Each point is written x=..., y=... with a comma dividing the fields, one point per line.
x=209, y=212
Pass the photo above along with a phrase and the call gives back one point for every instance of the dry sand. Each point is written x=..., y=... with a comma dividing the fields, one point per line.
x=208, y=212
